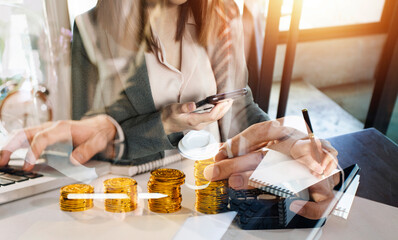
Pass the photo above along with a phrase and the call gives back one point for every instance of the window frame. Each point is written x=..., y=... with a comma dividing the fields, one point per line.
x=352, y=30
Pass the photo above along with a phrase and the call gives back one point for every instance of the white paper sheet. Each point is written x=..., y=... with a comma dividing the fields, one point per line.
x=344, y=206
x=206, y=227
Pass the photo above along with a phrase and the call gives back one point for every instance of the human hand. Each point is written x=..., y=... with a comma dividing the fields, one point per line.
x=246, y=147
x=321, y=203
x=303, y=152
x=89, y=137
x=179, y=117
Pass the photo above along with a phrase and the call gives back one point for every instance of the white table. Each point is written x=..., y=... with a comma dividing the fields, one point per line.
x=39, y=217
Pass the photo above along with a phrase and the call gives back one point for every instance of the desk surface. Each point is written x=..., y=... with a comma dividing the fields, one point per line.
x=39, y=217
x=377, y=156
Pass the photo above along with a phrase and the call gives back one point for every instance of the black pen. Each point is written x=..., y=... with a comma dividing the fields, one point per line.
x=312, y=137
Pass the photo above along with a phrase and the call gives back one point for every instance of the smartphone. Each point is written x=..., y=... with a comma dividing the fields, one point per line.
x=209, y=102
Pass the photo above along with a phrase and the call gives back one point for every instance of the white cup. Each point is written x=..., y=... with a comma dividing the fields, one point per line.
x=198, y=146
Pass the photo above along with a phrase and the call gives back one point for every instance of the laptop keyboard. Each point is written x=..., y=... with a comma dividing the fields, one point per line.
x=10, y=176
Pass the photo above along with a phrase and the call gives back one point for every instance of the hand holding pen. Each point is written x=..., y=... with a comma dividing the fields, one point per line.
x=311, y=136
x=317, y=154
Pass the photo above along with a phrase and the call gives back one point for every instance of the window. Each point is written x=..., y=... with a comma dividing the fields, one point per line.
x=330, y=13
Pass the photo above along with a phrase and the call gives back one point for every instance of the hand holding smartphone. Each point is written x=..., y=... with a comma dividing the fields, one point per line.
x=209, y=102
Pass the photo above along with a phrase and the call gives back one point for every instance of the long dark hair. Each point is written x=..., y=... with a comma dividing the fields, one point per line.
x=128, y=19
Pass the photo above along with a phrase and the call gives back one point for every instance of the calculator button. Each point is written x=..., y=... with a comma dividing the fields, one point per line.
x=32, y=175
x=18, y=173
x=13, y=178
x=5, y=182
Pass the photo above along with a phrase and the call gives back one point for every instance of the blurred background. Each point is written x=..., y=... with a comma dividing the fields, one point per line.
x=337, y=58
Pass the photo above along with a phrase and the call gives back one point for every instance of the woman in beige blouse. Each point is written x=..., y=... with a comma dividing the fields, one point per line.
x=162, y=56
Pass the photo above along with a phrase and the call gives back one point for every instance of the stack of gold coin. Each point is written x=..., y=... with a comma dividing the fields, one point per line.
x=213, y=198
x=121, y=185
x=166, y=181
x=75, y=205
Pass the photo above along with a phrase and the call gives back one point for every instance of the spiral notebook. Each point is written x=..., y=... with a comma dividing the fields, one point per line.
x=281, y=175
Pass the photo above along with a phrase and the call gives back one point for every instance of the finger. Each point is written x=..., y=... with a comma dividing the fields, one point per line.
x=187, y=107
x=328, y=158
x=327, y=146
x=310, y=162
x=309, y=209
x=320, y=176
x=226, y=152
x=18, y=140
x=222, y=153
x=110, y=151
x=215, y=114
x=85, y=151
x=237, y=146
x=224, y=169
x=240, y=181
x=29, y=163
x=60, y=131
x=253, y=138
x=256, y=137
x=224, y=108
x=4, y=157
x=329, y=168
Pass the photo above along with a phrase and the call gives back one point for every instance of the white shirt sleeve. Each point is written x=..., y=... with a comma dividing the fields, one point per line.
x=119, y=138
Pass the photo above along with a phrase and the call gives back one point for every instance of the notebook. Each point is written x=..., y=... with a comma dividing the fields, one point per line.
x=343, y=191
x=281, y=175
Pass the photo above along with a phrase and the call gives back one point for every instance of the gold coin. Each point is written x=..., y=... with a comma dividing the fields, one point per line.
x=214, y=198
x=166, y=181
x=121, y=185
x=75, y=205
x=119, y=182
x=77, y=188
x=167, y=174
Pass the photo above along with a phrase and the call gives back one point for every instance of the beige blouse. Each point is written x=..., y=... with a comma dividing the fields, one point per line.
x=193, y=83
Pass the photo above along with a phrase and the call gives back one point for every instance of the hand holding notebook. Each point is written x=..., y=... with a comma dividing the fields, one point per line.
x=282, y=175
x=239, y=156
